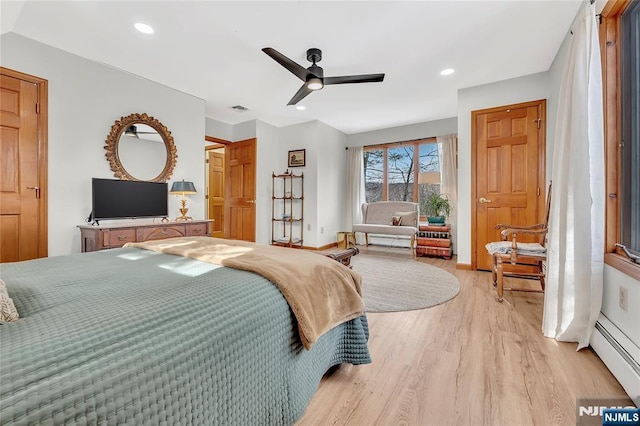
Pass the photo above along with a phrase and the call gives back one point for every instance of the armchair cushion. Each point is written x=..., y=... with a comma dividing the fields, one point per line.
x=529, y=249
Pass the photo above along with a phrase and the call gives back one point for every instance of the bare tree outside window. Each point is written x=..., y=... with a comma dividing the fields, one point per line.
x=401, y=175
x=373, y=175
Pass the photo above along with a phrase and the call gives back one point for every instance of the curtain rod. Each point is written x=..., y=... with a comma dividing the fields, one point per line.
x=410, y=141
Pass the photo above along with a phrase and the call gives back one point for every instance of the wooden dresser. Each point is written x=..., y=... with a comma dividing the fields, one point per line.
x=94, y=238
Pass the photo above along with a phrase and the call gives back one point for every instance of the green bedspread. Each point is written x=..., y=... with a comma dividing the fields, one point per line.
x=129, y=336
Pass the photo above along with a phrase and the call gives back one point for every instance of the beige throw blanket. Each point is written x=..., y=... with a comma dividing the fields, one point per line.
x=321, y=292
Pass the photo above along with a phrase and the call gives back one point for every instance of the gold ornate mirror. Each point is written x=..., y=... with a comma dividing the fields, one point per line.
x=139, y=147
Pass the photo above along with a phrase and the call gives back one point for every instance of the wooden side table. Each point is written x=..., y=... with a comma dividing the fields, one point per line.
x=434, y=240
x=346, y=239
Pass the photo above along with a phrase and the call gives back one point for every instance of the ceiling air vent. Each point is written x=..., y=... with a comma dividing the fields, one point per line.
x=239, y=108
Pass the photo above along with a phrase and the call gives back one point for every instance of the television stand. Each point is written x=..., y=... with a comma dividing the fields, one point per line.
x=102, y=237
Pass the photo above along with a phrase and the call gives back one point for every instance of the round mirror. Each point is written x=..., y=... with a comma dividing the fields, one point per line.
x=139, y=147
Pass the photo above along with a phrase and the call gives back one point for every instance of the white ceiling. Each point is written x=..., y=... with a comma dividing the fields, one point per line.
x=212, y=50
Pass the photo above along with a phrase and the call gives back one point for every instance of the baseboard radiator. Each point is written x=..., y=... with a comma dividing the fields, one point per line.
x=620, y=355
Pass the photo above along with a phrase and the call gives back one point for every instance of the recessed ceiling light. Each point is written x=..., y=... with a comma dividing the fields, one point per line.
x=447, y=71
x=144, y=28
x=301, y=107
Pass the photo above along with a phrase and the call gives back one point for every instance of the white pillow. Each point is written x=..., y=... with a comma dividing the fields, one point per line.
x=407, y=218
x=8, y=312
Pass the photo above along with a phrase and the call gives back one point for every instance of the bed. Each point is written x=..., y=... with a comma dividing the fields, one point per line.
x=134, y=336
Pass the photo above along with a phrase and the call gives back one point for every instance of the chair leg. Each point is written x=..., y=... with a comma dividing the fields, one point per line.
x=366, y=239
x=500, y=278
x=494, y=275
x=413, y=244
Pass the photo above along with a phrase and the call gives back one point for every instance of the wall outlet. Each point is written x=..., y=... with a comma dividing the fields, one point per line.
x=308, y=227
x=624, y=297
x=322, y=229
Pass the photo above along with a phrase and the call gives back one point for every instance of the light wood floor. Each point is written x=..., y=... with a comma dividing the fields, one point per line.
x=470, y=361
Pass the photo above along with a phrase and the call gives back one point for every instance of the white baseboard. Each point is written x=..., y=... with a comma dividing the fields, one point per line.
x=619, y=354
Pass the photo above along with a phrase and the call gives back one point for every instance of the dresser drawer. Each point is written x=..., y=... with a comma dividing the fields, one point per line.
x=194, y=229
x=119, y=237
x=159, y=232
x=95, y=237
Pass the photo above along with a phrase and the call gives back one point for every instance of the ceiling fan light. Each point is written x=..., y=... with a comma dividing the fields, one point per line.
x=144, y=28
x=315, y=84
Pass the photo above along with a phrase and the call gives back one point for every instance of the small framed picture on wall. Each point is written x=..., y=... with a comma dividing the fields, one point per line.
x=296, y=158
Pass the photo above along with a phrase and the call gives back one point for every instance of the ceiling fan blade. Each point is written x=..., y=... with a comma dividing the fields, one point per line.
x=295, y=69
x=300, y=94
x=364, y=78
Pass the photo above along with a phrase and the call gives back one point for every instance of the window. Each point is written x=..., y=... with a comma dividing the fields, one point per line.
x=374, y=174
x=620, y=47
x=393, y=173
x=630, y=150
x=400, y=173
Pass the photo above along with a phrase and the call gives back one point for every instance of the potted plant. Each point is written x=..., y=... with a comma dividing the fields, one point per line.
x=438, y=209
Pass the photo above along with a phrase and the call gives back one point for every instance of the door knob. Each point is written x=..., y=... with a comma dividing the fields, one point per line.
x=484, y=200
x=251, y=201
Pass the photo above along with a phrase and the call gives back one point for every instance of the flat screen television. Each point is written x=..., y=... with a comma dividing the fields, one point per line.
x=126, y=199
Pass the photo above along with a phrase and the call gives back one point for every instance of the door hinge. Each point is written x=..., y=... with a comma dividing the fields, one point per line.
x=37, y=107
x=538, y=191
x=537, y=121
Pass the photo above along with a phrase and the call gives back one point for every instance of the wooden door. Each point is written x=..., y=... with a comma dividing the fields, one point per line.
x=216, y=192
x=23, y=167
x=508, y=144
x=240, y=190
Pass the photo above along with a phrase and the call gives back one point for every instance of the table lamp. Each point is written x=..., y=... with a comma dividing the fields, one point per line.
x=183, y=188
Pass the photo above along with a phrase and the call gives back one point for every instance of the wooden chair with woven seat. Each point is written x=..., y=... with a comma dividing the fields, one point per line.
x=520, y=255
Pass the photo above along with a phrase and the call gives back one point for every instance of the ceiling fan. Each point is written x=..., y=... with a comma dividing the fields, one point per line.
x=134, y=132
x=313, y=77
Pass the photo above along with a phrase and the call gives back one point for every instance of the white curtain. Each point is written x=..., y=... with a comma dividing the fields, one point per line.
x=573, y=296
x=447, y=151
x=355, y=185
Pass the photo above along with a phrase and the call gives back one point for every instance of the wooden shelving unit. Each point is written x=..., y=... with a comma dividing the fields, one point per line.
x=287, y=207
x=434, y=240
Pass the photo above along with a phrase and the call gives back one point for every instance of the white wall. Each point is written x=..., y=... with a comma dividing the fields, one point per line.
x=522, y=89
x=332, y=183
x=244, y=131
x=295, y=137
x=626, y=321
x=268, y=154
x=85, y=99
x=218, y=129
x=409, y=132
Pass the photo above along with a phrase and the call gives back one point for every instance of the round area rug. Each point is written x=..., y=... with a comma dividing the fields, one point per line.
x=392, y=283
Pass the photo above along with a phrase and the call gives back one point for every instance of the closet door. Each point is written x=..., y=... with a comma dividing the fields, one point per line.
x=23, y=167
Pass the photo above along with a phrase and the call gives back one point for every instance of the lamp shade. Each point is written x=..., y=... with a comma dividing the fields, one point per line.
x=182, y=187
